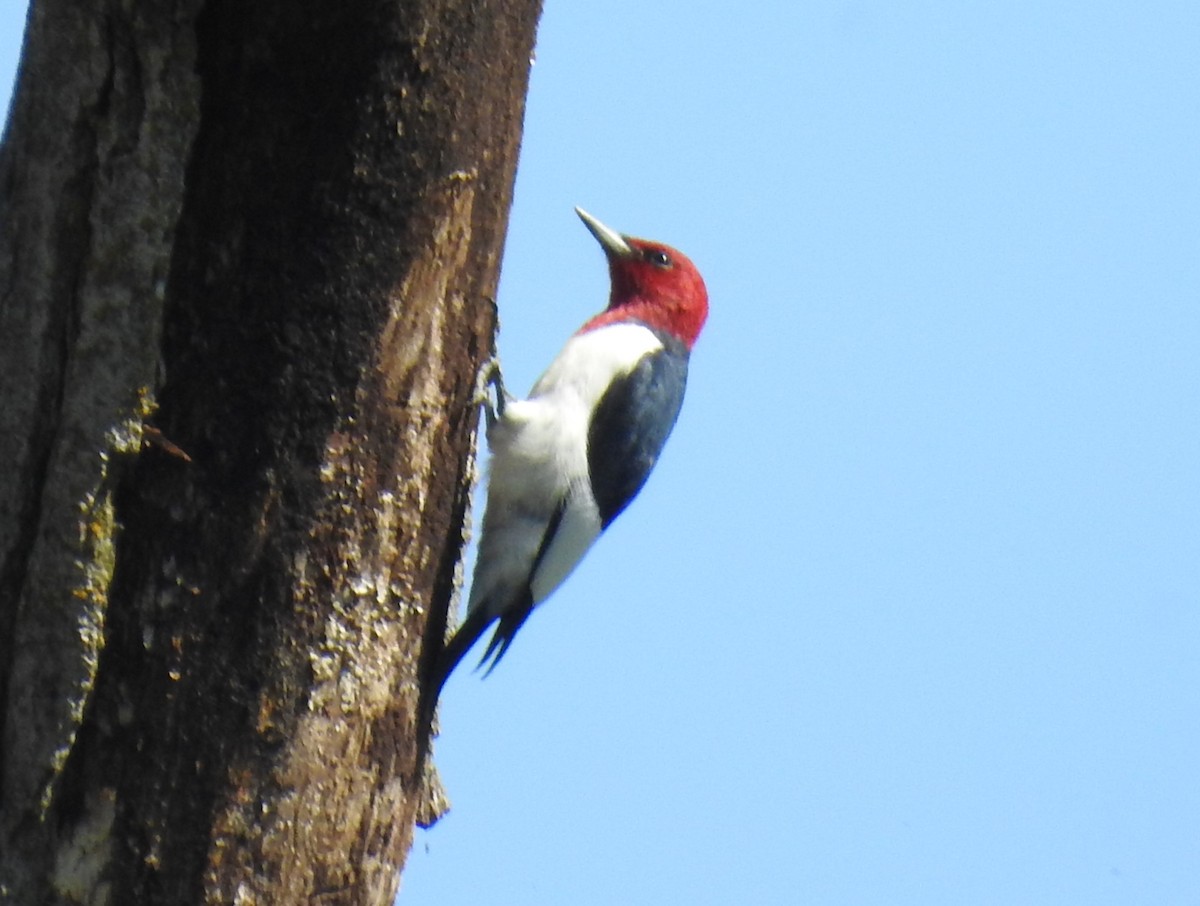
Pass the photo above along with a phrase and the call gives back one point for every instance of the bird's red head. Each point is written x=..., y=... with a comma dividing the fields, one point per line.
x=652, y=283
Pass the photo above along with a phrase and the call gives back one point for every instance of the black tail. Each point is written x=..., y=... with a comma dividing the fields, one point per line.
x=474, y=626
x=510, y=621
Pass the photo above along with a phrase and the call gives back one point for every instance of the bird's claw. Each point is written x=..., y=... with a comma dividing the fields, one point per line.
x=490, y=376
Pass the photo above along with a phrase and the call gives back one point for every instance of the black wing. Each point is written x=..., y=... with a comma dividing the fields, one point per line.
x=631, y=424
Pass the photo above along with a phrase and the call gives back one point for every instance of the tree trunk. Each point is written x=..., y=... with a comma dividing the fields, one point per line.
x=247, y=252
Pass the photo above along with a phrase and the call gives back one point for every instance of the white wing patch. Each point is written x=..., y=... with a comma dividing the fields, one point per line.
x=580, y=526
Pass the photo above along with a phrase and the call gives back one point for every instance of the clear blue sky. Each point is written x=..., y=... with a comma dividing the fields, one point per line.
x=910, y=611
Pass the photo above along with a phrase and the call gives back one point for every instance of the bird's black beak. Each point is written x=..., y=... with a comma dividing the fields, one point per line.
x=613, y=242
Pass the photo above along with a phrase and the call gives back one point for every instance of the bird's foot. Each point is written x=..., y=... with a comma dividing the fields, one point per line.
x=491, y=377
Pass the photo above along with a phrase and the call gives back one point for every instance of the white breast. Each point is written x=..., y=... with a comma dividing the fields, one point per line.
x=590, y=361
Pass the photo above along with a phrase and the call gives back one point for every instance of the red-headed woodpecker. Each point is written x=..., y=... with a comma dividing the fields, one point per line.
x=567, y=460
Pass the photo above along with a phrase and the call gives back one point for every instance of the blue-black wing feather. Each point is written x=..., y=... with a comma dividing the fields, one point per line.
x=631, y=424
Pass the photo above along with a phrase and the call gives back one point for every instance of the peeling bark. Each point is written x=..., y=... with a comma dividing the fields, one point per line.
x=247, y=253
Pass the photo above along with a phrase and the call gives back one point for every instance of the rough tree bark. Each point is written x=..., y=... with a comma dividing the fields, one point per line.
x=247, y=252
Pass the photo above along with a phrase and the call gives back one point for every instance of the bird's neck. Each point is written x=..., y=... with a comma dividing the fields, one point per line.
x=677, y=319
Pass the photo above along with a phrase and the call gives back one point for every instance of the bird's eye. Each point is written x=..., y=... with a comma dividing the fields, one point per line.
x=658, y=258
